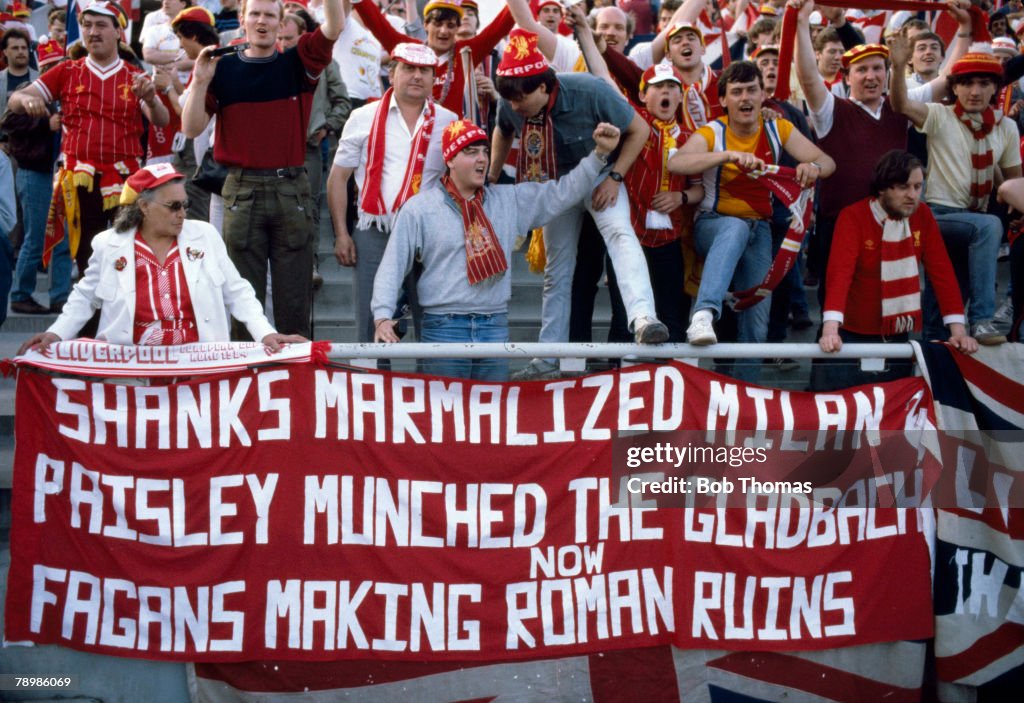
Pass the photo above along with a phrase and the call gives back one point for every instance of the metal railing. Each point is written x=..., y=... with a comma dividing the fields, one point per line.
x=572, y=356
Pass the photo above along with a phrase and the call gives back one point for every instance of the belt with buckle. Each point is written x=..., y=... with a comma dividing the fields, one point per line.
x=290, y=172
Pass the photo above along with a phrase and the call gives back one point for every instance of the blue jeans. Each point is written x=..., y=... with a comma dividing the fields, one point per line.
x=34, y=191
x=466, y=328
x=972, y=242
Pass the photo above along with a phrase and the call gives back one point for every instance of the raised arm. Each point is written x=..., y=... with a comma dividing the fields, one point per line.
x=899, y=53
x=588, y=45
x=194, y=116
x=334, y=19
x=689, y=11
x=547, y=42
x=375, y=22
x=939, y=86
x=807, y=73
x=488, y=37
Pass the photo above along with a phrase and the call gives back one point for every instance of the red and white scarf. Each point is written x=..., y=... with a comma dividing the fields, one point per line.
x=782, y=183
x=484, y=255
x=901, y=287
x=983, y=165
x=650, y=176
x=375, y=211
x=536, y=162
x=696, y=107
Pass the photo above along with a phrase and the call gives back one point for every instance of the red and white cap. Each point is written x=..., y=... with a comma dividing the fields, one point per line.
x=414, y=54
x=147, y=178
x=521, y=57
x=1004, y=45
x=107, y=9
x=660, y=73
x=458, y=135
x=545, y=3
x=816, y=19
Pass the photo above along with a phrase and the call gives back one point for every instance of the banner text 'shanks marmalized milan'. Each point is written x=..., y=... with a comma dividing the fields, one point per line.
x=305, y=513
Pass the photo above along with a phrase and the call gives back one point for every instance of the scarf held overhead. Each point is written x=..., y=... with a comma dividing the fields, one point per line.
x=979, y=32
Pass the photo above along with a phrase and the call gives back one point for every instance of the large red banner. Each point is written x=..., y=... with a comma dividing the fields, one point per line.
x=303, y=512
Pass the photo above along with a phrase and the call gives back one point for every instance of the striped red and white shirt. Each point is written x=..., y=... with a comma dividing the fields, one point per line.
x=102, y=117
x=163, y=306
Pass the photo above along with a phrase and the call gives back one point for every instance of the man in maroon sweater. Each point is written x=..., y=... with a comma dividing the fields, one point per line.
x=873, y=292
x=857, y=131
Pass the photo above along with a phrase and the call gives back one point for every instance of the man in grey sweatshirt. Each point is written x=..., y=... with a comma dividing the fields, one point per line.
x=461, y=230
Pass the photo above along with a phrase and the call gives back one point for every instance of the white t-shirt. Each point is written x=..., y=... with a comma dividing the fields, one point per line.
x=567, y=53
x=949, y=155
x=642, y=55
x=353, y=151
x=358, y=55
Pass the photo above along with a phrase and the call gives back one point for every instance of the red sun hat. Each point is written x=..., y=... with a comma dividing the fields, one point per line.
x=147, y=178
x=521, y=57
x=977, y=62
x=458, y=135
x=863, y=51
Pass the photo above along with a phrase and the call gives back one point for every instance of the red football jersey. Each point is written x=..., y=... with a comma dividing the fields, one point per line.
x=102, y=117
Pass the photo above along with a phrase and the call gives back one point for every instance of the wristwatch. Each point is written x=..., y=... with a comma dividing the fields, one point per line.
x=615, y=176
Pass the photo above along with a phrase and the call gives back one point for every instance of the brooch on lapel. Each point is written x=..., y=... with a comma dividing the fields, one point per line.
x=120, y=264
x=194, y=254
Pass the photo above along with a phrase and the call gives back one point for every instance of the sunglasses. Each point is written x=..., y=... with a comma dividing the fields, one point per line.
x=175, y=205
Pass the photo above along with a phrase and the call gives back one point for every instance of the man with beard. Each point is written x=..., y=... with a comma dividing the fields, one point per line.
x=732, y=230
x=967, y=142
x=15, y=47
x=873, y=292
x=856, y=131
